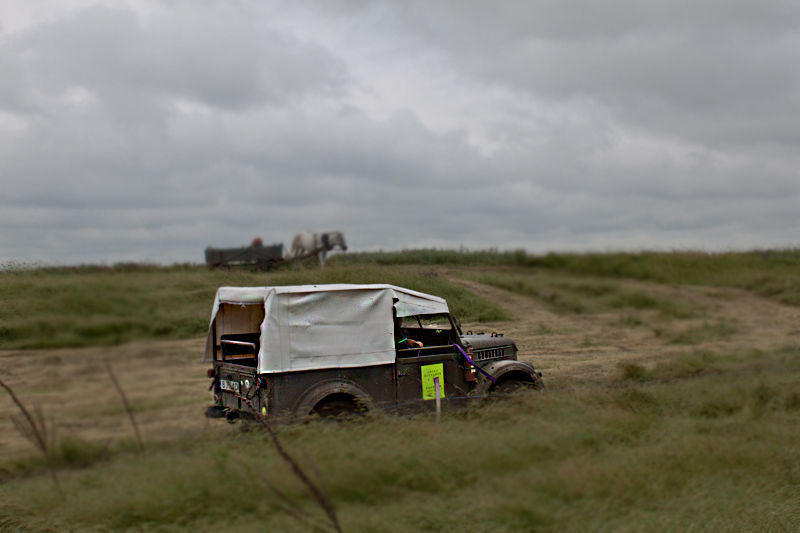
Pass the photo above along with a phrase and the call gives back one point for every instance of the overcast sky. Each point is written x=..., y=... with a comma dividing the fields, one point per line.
x=147, y=130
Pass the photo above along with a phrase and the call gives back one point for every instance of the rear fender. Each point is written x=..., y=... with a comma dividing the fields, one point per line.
x=320, y=391
x=505, y=369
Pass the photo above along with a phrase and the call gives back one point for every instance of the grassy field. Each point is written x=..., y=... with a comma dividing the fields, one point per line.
x=672, y=403
x=90, y=305
x=709, y=444
x=83, y=306
x=770, y=273
x=569, y=293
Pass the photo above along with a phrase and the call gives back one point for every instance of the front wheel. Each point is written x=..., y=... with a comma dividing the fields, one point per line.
x=513, y=384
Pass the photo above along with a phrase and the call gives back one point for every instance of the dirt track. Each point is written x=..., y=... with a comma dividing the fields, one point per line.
x=572, y=347
x=167, y=386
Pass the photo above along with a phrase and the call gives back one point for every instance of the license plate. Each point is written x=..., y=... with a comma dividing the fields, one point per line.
x=232, y=386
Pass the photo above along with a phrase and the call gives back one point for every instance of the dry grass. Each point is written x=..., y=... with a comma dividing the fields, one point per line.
x=715, y=451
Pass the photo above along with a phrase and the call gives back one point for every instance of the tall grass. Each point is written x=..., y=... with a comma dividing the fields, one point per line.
x=78, y=306
x=437, y=257
x=59, y=307
x=583, y=294
x=770, y=273
x=716, y=452
x=705, y=333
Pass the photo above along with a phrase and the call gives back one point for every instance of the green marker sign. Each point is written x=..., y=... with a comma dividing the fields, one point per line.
x=429, y=372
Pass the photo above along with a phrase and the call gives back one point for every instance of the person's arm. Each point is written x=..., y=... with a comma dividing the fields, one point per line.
x=410, y=343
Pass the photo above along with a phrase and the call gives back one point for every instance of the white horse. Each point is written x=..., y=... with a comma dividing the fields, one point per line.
x=305, y=242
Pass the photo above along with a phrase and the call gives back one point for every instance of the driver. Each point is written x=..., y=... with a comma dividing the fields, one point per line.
x=404, y=343
x=407, y=343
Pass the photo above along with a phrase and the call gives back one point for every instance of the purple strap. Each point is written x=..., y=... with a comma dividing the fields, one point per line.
x=482, y=371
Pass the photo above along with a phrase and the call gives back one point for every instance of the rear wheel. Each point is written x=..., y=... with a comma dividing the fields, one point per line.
x=338, y=408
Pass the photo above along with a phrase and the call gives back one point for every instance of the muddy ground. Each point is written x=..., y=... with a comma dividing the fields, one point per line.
x=166, y=382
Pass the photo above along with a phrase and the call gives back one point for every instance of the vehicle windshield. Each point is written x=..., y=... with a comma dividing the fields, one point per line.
x=430, y=333
x=439, y=322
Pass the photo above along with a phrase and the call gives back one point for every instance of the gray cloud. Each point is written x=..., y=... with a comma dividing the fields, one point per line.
x=149, y=134
x=215, y=56
x=713, y=72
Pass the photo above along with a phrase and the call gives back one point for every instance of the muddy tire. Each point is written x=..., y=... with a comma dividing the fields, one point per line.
x=513, y=385
x=338, y=410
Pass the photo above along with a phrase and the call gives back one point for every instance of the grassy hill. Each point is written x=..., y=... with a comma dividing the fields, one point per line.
x=82, y=306
x=89, y=305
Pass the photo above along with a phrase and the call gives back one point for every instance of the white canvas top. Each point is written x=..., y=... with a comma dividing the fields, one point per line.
x=326, y=326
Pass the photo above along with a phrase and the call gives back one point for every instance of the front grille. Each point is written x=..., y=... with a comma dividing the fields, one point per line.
x=488, y=353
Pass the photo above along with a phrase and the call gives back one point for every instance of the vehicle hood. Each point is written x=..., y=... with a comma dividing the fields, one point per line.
x=479, y=342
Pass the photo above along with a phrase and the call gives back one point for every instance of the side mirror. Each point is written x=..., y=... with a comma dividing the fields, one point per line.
x=457, y=322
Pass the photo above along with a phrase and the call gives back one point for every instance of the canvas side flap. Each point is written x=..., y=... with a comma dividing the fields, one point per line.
x=329, y=330
x=409, y=304
x=208, y=353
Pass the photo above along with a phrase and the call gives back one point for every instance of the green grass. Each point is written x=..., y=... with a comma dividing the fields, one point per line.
x=630, y=371
x=437, y=257
x=770, y=273
x=575, y=294
x=712, y=448
x=705, y=333
x=79, y=306
x=62, y=307
x=462, y=302
x=763, y=270
x=668, y=307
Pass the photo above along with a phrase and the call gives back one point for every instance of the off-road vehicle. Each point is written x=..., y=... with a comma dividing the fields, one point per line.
x=297, y=351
